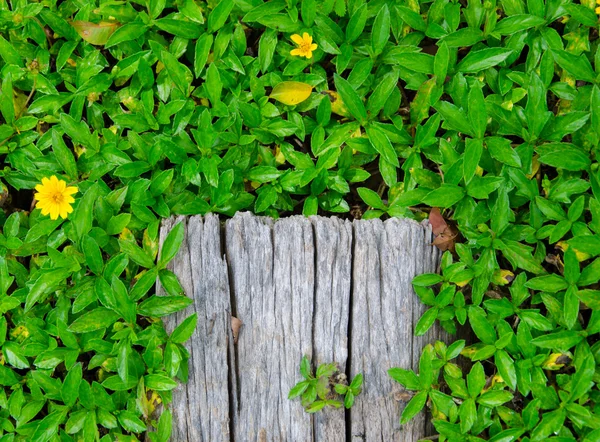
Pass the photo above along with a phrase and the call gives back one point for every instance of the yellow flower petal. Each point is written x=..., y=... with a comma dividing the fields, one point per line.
x=308, y=54
x=313, y=46
x=297, y=39
x=54, y=197
x=54, y=212
x=307, y=38
x=65, y=210
x=296, y=51
x=41, y=204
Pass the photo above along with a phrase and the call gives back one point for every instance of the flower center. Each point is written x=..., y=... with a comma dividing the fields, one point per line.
x=57, y=198
x=305, y=46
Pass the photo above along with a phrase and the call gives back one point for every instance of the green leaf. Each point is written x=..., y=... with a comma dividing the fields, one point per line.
x=582, y=380
x=82, y=216
x=171, y=245
x=427, y=279
x=127, y=32
x=44, y=285
x=371, y=198
x=380, y=33
x=213, y=84
x=158, y=306
x=202, y=49
x=131, y=422
x=7, y=105
x=494, y=398
x=476, y=61
x=92, y=254
x=477, y=111
x=159, y=382
x=454, y=117
x=415, y=405
x=309, y=12
x=468, y=415
x=298, y=389
x=14, y=356
x=550, y=209
x=562, y=340
x=165, y=423
x=179, y=73
x=381, y=143
x=520, y=256
x=426, y=321
x=571, y=307
x=48, y=426
x=406, y=378
x=356, y=24
x=136, y=253
x=513, y=24
x=473, y=151
x=64, y=155
x=476, y=380
x=595, y=108
x=501, y=150
x=444, y=196
x=180, y=28
x=184, y=331
x=481, y=325
x=96, y=319
x=576, y=65
x=547, y=283
x=382, y=92
x=70, y=389
x=9, y=54
x=351, y=99
x=415, y=61
x=412, y=18
x=506, y=368
x=564, y=156
x=219, y=15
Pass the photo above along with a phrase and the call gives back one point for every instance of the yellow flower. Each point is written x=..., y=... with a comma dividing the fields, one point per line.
x=54, y=197
x=598, y=10
x=305, y=45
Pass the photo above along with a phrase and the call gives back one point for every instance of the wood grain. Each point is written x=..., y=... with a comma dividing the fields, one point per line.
x=326, y=288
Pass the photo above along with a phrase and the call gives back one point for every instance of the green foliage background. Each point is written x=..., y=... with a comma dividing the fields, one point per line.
x=487, y=110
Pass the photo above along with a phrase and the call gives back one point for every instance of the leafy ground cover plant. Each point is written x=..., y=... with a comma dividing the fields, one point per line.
x=325, y=388
x=486, y=110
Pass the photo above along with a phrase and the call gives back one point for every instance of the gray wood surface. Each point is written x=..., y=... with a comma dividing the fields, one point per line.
x=387, y=256
x=330, y=289
x=201, y=408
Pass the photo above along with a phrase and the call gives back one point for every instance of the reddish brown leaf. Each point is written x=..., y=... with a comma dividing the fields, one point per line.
x=438, y=224
x=95, y=33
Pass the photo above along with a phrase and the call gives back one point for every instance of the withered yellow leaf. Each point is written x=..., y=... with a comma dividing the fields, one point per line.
x=291, y=92
x=337, y=104
x=95, y=33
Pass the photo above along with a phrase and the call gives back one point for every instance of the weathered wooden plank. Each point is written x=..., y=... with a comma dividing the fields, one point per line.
x=386, y=257
x=201, y=407
x=272, y=275
x=333, y=271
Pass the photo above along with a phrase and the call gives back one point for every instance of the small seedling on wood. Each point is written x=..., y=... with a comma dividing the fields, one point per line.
x=326, y=388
